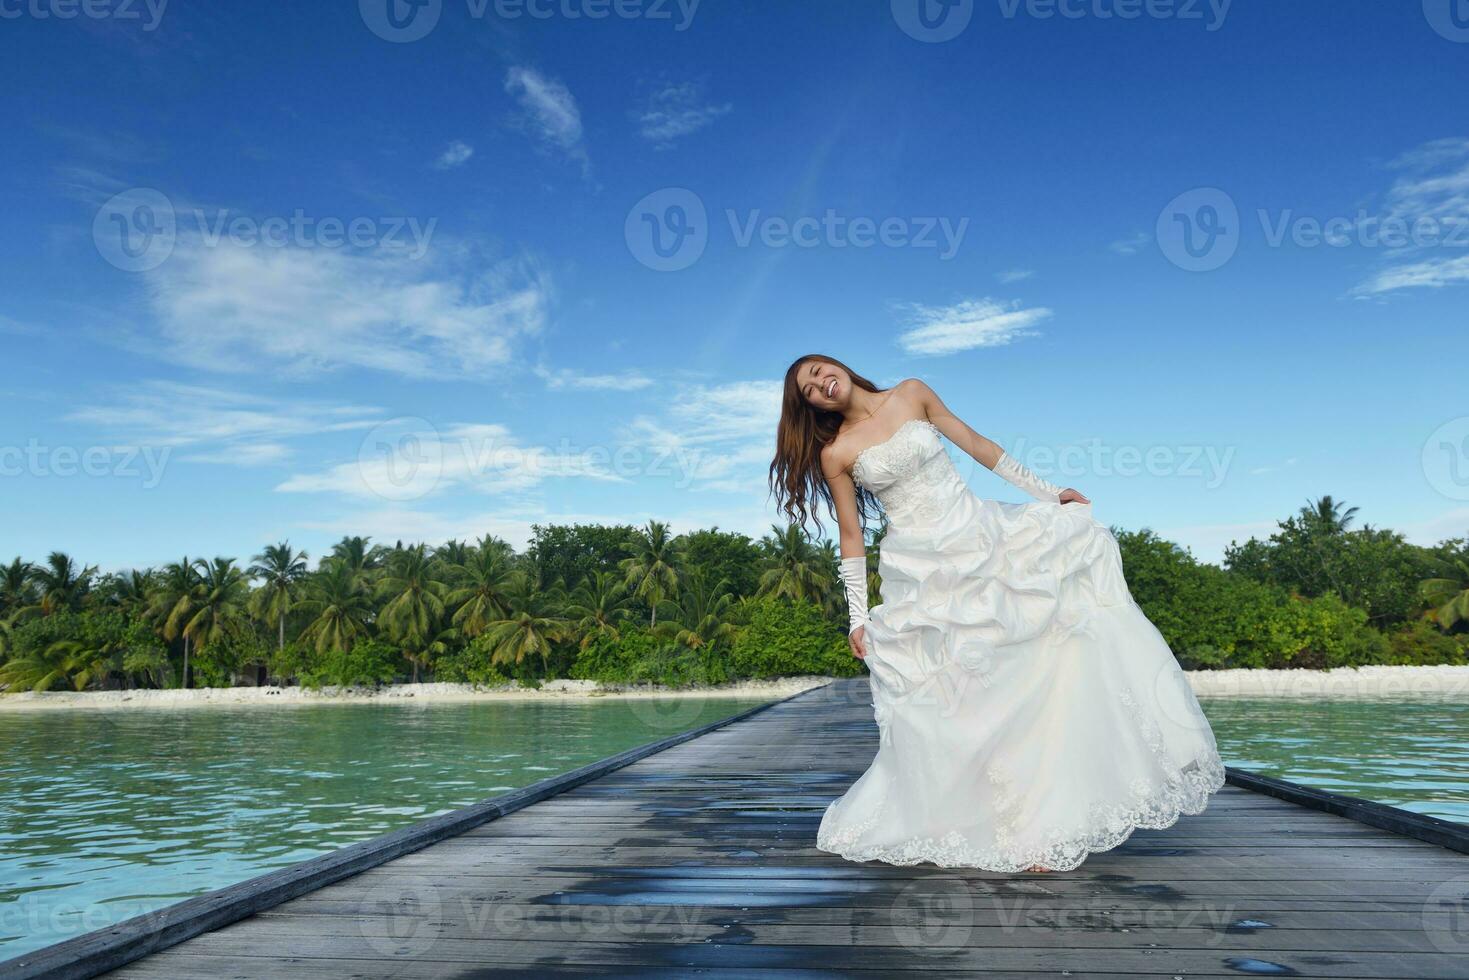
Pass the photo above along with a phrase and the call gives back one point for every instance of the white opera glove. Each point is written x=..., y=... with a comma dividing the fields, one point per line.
x=854, y=577
x=1013, y=472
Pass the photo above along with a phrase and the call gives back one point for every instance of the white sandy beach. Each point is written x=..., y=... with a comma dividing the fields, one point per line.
x=558, y=690
x=1344, y=682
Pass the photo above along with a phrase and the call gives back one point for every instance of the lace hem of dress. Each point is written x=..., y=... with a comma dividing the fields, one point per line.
x=1106, y=828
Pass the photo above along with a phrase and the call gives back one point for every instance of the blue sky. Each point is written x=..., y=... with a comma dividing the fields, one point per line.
x=408, y=286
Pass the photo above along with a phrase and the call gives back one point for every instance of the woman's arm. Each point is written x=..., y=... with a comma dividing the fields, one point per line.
x=844, y=496
x=985, y=451
x=853, y=549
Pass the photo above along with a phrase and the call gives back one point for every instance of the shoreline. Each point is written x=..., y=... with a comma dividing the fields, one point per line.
x=431, y=693
x=1341, y=682
x=1372, y=681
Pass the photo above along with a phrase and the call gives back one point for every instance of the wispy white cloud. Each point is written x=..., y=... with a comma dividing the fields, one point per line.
x=482, y=457
x=456, y=154
x=550, y=112
x=1435, y=181
x=1130, y=245
x=938, y=330
x=1430, y=273
x=1262, y=470
x=18, y=328
x=301, y=311
x=217, y=425
x=567, y=378
x=675, y=111
x=1449, y=524
x=722, y=437
x=1428, y=205
x=1014, y=275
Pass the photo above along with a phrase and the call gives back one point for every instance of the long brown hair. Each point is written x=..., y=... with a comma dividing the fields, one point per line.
x=796, y=479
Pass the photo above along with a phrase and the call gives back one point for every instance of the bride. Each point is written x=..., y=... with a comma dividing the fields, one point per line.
x=1029, y=713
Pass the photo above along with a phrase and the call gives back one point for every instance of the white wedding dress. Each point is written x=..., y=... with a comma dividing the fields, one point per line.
x=1028, y=711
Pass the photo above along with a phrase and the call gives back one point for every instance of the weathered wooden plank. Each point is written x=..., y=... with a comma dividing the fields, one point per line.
x=701, y=859
x=936, y=953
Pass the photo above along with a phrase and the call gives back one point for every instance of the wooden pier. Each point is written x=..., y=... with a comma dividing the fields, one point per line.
x=698, y=860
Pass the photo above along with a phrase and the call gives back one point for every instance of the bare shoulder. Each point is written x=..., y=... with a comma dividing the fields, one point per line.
x=917, y=393
x=832, y=465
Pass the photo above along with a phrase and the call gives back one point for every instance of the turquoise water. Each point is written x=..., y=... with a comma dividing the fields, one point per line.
x=107, y=814
x=1410, y=752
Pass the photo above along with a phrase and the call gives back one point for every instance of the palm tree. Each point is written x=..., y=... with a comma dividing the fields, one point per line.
x=53, y=665
x=282, y=569
x=131, y=592
x=416, y=604
x=1327, y=515
x=796, y=570
x=699, y=619
x=530, y=625
x=597, y=605
x=17, y=587
x=487, y=578
x=650, y=573
x=219, y=603
x=61, y=584
x=1448, y=594
x=337, y=601
x=359, y=555
x=173, y=603
x=453, y=552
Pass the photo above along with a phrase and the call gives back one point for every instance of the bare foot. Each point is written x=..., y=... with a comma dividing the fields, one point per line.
x=1037, y=868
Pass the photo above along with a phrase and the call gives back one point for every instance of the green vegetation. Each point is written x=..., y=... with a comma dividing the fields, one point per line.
x=1315, y=594
x=632, y=605
x=617, y=604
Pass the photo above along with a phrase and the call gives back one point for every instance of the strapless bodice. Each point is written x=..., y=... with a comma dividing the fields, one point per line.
x=910, y=474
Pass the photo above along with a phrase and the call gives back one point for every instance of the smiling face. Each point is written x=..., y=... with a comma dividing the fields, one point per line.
x=824, y=385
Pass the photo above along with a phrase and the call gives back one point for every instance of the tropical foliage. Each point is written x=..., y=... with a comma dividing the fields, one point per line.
x=630, y=605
